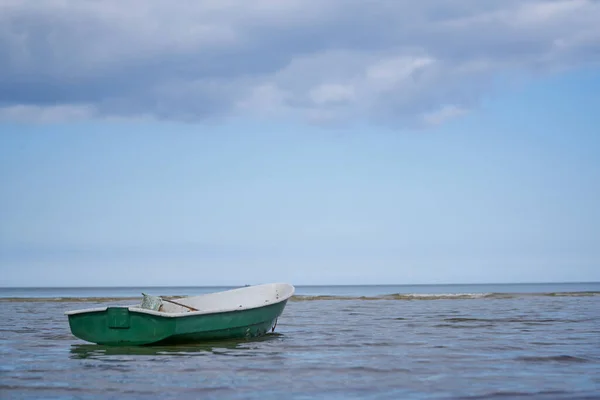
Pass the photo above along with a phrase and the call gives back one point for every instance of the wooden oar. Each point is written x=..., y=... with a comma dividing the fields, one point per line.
x=179, y=304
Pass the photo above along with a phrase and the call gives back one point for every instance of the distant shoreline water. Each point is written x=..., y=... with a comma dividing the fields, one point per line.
x=314, y=292
x=406, y=297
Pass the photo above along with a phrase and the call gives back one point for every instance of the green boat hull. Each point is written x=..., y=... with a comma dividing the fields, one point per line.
x=124, y=326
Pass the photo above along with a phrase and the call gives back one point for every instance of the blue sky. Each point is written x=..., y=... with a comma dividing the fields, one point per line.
x=215, y=144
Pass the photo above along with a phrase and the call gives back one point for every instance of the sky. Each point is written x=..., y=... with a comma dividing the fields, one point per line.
x=311, y=142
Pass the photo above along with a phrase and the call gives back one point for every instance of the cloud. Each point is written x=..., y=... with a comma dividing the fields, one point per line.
x=443, y=114
x=331, y=93
x=45, y=114
x=396, y=61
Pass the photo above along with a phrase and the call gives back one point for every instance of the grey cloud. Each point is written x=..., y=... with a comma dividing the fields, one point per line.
x=388, y=60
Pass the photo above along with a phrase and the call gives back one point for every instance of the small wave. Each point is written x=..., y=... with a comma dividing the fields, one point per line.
x=572, y=294
x=329, y=297
x=467, y=319
x=560, y=359
x=393, y=296
x=74, y=299
x=63, y=299
x=548, y=394
x=432, y=296
x=532, y=321
x=475, y=296
x=502, y=296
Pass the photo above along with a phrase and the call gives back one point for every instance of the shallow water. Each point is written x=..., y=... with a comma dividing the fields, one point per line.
x=526, y=346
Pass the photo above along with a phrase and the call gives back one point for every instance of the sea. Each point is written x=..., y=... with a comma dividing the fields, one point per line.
x=501, y=341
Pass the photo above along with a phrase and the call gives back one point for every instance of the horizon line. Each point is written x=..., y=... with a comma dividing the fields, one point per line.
x=301, y=285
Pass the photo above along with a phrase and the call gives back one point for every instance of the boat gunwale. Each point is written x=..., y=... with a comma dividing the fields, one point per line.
x=136, y=308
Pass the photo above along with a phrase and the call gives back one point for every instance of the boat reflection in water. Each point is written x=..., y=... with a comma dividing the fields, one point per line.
x=234, y=348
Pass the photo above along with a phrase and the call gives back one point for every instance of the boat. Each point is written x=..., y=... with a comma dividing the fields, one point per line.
x=240, y=313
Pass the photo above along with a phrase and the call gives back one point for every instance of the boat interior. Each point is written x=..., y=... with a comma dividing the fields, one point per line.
x=234, y=299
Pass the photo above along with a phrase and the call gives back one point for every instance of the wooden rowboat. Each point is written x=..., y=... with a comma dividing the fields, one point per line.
x=232, y=314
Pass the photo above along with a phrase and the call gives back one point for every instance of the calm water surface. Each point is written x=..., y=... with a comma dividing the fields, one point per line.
x=534, y=344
